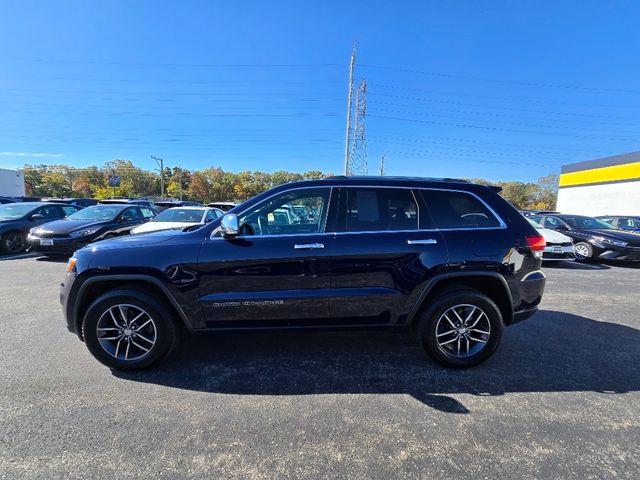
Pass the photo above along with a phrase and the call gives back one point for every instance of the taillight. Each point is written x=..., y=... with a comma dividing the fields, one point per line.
x=536, y=243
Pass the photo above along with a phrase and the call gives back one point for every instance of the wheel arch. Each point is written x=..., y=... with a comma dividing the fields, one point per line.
x=491, y=284
x=92, y=288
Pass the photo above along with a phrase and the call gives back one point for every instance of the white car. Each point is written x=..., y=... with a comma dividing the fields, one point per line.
x=177, y=218
x=559, y=246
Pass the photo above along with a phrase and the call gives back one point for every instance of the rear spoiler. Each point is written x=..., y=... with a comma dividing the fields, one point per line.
x=495, y=188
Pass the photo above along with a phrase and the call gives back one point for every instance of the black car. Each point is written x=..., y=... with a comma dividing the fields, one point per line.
x=450, y=259
x=90, y=224
x=623, y=222
x=76, y=202
x=16, y=219
x=593, y=238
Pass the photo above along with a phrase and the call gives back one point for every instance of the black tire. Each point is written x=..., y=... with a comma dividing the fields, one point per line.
x=428, y=328
x=13, y=243
x=164, y=324
x=586, y=250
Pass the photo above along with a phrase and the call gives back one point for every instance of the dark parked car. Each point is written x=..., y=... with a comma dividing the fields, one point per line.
x=594, y=239
x=128, y=201
x=76, y=202
x=90, y=224
x=4, y=200
x=224, y=206
x=164, y=204
x=626, y=222
x=450, y=259
x=16, y=219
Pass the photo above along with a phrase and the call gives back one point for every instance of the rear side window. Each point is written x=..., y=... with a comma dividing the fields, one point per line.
x=68, y=209
x=453, y=209
x=371, y=209
x=147, y=212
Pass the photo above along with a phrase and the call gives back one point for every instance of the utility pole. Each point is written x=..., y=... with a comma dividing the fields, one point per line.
x=160, y=163
x=347, y=141
x=382, y=165
x=180, y=181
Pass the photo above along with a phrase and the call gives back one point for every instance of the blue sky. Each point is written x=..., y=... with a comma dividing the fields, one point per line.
x=501, y=90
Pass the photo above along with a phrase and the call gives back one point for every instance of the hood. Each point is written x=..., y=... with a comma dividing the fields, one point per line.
x=132, y=240
x=67, y=226
x=159, y=226
x=632, y=238
x=551, y=236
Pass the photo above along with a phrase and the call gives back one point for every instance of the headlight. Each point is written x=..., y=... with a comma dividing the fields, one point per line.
x=84, y=233
x=608, y=241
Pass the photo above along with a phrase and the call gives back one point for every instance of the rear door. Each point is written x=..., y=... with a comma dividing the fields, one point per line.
x=385, y=249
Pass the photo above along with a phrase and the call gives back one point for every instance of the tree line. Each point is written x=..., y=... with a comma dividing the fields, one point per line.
x=215, y=184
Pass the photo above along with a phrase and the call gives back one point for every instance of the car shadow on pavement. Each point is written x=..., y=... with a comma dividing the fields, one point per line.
x=552, y=352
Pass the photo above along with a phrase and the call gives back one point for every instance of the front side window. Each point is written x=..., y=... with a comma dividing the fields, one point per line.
x=553, y=222
x=278, y=215
x=50, y=211
x=69, y=210
x=453, y=209
x=380, y=209
x=628, y=222
x=131, y=214
x=147, y=212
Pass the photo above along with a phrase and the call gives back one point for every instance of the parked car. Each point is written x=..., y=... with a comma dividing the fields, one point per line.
x=16, y=219
x=626, y=222
x=178, y=218
x=224, y=206
x=450, y=259
x=162, y=205
x=127, y=201
x=558, y=246
x=594, y=239
x=88, y=225
x=4, y=200
x=76, y=202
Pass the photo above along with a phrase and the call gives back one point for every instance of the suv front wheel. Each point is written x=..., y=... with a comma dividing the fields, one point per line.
x=461, y=329
x=129, y=329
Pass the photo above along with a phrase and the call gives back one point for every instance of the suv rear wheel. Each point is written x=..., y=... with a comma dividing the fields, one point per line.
x=129, y=329
x=461, y=329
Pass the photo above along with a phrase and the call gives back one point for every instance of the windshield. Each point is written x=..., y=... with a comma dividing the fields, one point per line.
x=97, y=212
x=587, y=223
x=180, y=215
x=13, y=211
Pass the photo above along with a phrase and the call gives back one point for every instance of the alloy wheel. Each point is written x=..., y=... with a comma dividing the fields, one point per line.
x=14, y=243
x=126, y=332
x=463, y=330
x=581, y=252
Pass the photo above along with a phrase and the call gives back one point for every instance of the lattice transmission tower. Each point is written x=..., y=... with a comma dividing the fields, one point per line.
x=358, y=154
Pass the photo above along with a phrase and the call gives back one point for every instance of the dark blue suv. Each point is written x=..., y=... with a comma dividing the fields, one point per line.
x=449, y=259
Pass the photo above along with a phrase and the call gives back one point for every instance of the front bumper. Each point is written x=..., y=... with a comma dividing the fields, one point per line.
x=623, y=254
x=55, y=245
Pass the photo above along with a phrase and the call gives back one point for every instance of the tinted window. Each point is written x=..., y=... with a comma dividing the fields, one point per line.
x=131, y=214
x=451, y=209
x=276, y=215
x=552, y=222
x=371, y=209
x=212, y=215
x=50, y=211
x=628, y=222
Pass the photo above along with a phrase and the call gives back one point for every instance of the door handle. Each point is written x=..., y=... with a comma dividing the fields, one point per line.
x=308, y=246
x=426, y=241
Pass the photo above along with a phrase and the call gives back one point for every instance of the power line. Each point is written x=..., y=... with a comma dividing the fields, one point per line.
x=497, y=80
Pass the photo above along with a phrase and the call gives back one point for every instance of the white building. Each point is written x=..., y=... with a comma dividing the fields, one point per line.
x=11, y=183
x=605, y=186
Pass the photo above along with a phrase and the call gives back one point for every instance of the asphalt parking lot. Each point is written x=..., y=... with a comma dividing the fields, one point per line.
x=560, y=399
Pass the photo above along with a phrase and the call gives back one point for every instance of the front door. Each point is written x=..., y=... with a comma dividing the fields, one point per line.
x=275, y=273
x=386, y=248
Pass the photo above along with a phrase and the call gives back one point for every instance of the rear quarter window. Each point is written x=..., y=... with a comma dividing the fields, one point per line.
x=455, y=209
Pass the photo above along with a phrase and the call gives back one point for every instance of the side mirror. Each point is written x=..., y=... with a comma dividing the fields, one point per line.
x=229, y=225
x=37, y=216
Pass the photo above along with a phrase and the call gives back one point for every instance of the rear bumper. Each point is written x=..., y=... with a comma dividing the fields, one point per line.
x=559, y=252
x=531, y=290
